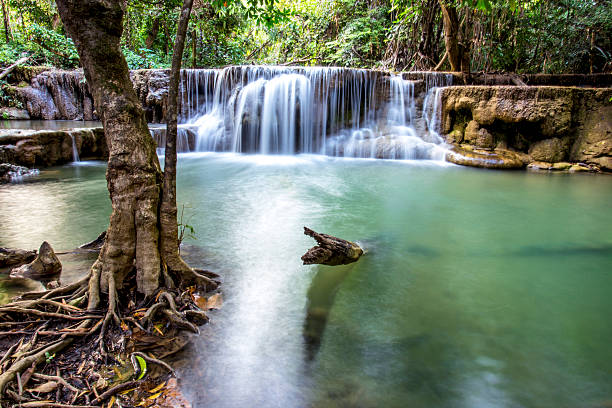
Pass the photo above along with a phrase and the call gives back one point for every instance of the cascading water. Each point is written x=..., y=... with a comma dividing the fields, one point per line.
x=75, y=150
x=332, y=111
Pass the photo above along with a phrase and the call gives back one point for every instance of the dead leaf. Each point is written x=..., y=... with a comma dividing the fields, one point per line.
x=159, y=387
x=154, y=396
x=25, y=377
x=46, y=387
x=200, y=301
x=214, y=302
x=157, y=328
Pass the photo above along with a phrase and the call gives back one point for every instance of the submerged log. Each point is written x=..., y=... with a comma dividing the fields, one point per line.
x=96, y=244
x=46, y=266
x=12, y=257
x=330, y=250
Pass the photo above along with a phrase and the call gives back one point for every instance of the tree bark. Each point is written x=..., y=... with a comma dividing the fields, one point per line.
x=152, y=35
x=330, y=250
x=168, y=212
x=451, y=35
x=457, y=40
x=7, y=24
x=133, y=174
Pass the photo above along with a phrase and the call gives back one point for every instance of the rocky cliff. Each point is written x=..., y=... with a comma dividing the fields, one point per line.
x=530, y=124
x=45, y=148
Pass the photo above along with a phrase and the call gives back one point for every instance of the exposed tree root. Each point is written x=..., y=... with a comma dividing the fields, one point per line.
x=77, y=330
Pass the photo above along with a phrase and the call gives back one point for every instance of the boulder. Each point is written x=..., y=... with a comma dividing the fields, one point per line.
x=14, y=114
x=12, y=257
x=496, y=159
x=46, y=266
x=594, y=141
x=10, y=173
x=477, y=136
x=549, y=150
x=44, y=148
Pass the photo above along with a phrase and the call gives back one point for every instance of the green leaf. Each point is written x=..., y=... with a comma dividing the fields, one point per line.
x=140, y=366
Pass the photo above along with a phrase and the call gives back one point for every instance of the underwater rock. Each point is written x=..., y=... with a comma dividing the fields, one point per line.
x=96, y=244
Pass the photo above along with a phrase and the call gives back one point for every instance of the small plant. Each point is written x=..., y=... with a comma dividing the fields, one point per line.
x=184, y=229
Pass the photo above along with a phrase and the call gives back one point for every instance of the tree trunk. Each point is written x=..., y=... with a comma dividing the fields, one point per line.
x=152, y=35
x=133, y=174
x=168, y=213
x=194, y=43
x=451, y=36
x=7, y=24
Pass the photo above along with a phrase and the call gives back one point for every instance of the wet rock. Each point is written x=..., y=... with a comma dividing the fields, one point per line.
x=549, y=150
x=14, y=114
x=10, y=173
x=477, y=136
x=455, y=137
x=12, y=257
x=44, y=148
x=46, y=266
x=561, y=166
x=553, y=124
x=594, y=142
x=537, y=165
x=579, y=168
x=497, y=159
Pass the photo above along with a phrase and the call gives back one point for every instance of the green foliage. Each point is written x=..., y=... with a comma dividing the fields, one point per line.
x=144, y=59
x=504, y=35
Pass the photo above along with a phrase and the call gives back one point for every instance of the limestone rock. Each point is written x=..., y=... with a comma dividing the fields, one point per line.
x=478, y=136
x=549, y=150
x=538, y=165
x=46, y=265
x=11, y=257
x=14, y=114
x=561, y=166
x=594, y=142
x=50, y=147
x=10, y=173
x=455, y=137
x=497, y=159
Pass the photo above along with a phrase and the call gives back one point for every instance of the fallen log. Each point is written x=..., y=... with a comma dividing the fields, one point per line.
x=12, y=67
x=96, y=244
x=330, y=250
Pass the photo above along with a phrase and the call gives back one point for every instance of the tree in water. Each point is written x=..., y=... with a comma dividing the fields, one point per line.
x=140, y=253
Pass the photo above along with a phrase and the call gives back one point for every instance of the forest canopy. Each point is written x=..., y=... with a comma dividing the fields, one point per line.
x=533, y=36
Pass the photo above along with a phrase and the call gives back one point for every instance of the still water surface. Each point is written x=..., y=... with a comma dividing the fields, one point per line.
x=478, y=289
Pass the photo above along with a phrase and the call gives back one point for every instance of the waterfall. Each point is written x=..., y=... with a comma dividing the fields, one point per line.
x=332, y=111
x=75, y=150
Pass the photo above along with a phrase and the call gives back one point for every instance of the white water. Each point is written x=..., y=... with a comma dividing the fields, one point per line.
x=331, y=111
x=75, y=151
